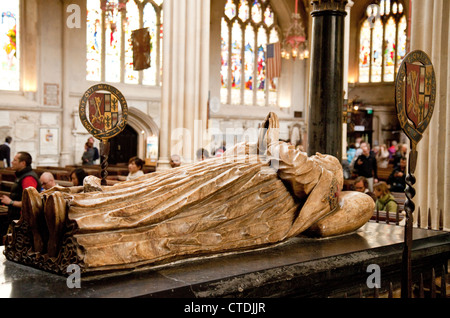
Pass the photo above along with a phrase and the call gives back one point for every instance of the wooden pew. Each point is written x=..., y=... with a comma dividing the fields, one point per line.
x=64, y=183
x=7, y=174
x=392, y=216
x=384, y=173
x=400, y=198
x=59, y=173
x=6, y=185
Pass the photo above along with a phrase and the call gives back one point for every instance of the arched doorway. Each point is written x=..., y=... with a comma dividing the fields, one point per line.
x=123, y=146
x=132, y=141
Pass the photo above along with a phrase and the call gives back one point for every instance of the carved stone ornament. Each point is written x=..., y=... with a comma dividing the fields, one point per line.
x=240, y=201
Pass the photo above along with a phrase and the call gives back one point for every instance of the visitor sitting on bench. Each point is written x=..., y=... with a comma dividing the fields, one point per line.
x=385, y=200
x=47, y=180
x=397, y=179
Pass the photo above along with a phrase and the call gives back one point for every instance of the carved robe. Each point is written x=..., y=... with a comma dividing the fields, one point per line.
x=236, y=202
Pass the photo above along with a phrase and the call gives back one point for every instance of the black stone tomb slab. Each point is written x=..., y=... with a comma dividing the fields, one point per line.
x=300, y=267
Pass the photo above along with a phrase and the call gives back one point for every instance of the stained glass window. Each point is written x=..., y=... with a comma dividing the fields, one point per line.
x=247, y=27
x=236, y=63
x=10, y=45
x=261, y=67
x=364, y=53
x=224, y=61
x=389, y=50
x=109, y=54
x=113, y=52
x=273, y=92
x=382, y=44
x=153, y=20
x=401, y=41
x=94, y=41
x=377, y=51
x=131, y=23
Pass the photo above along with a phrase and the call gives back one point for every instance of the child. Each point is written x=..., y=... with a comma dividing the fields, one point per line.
x=135, y=166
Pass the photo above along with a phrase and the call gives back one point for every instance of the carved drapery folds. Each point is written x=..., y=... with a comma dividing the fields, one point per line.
x=237, y=202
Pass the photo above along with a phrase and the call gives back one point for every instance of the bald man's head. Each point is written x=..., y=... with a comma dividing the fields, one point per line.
x=47, y=180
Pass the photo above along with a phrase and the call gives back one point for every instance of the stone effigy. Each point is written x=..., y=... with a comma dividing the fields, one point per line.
x=253, y=196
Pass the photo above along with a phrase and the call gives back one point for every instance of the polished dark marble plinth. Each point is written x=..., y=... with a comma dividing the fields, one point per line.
x=300, y=267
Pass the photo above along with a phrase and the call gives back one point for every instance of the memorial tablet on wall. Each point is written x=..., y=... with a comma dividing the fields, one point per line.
x=51, y=94
x=48, y=141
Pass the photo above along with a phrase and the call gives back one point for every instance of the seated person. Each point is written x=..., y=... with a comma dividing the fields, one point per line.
x=175, y=161
x=202, y=154
x=397, y=178
x=385, y=200
x=135, y=166
x=47, y=180
x=362, y=185
x=77, y=176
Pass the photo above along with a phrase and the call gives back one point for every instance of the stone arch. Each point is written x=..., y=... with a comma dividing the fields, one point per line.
x=145, y=126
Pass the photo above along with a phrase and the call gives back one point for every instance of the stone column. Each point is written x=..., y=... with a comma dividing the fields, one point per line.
x=430, y=33
x=348, y=8
x=184, y=106
x=326, y=77
x=69, y=115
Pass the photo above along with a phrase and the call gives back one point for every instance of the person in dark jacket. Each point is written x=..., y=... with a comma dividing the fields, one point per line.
x=397, y=179
x=366, y=166
x=5, y=153
x=25, y=177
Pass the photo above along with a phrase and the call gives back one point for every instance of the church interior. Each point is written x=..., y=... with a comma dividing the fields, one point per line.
x=208, y=79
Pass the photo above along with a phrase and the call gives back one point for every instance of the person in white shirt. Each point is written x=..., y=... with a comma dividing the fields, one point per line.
x=135, y=166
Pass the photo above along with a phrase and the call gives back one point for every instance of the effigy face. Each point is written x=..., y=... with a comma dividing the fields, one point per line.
x=229, y=204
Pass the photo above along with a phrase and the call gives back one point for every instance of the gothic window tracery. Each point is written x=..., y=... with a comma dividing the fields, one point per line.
x=247, y=27
x=109, y=55
x=382, y=41
x=10, y=46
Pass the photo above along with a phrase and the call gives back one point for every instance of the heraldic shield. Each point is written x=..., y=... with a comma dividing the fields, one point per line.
x=103, y=111
x=418, y=92
x=415, y=94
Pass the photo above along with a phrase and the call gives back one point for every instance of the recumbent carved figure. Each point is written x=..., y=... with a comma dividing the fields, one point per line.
x=255, y=195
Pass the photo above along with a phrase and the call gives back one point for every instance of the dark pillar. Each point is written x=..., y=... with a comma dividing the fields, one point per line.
x=326, y=79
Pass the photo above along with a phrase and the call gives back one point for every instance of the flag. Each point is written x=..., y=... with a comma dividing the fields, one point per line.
x=273, y=61
x=141, y=43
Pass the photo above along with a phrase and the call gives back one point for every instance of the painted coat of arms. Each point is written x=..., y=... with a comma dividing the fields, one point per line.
x=103, y=111
x=415, y=93
x=418, y=91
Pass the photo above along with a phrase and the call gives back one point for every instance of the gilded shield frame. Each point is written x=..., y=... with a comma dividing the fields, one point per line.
x=413, y=133
x=83, y=110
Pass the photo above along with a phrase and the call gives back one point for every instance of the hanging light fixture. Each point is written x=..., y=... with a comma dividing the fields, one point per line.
x=295, y=44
